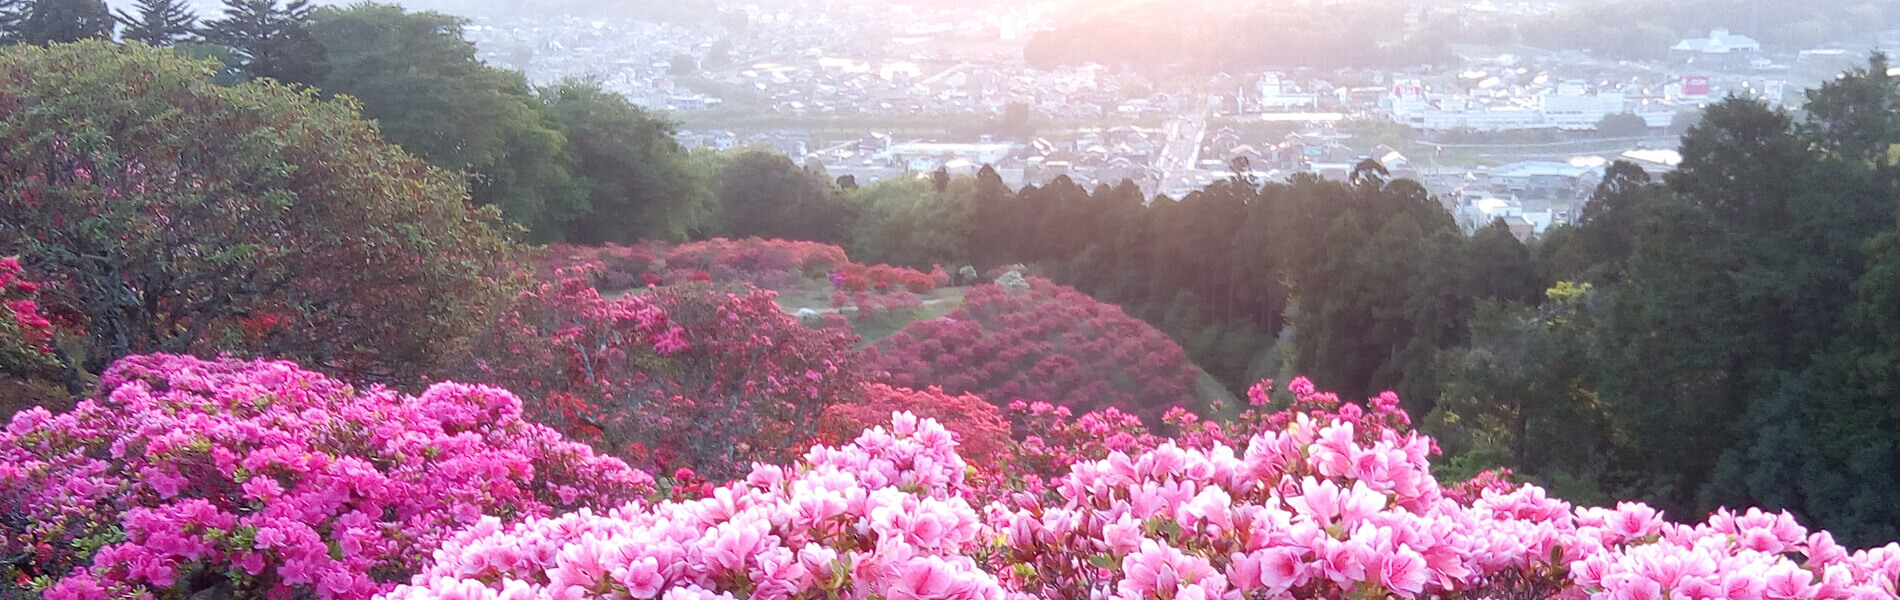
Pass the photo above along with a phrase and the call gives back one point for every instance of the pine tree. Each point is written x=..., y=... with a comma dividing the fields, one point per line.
x=158, y=22
x=273, y=40
x=60, y=21
x=12, y=17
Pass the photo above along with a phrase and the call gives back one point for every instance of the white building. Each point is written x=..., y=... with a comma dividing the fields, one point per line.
x=924, y=156
x=1720, y=41
x=1568, y=106
x=1571, y=106
x=1274, y=93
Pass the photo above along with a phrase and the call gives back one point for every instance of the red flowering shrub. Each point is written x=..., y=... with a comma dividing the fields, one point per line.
x=874, y=290
x=982, y=433
x=873, y=305
x=1047, y=343
x=269, y=480
x=882, y=278
x=686, y=375
x=25, y=335
x=621, y=267
x=758, y=256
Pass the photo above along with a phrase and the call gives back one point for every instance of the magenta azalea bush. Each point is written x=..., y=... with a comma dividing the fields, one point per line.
x=265, y=480
x=1306, y=511
x=1044, y=343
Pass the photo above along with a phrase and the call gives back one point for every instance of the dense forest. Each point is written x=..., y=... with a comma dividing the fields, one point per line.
x=185, y=213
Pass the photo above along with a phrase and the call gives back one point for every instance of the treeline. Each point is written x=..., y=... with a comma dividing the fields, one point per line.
x=1728, y=335
x=1212, y=38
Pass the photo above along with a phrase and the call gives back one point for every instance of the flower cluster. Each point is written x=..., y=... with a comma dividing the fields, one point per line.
x=855, y=278
x=1046, y=343
x=25, y=335
x=780, y=265
x=771, y=264
x=1314, y=510
x=872, y=305
x=260, y=477
x=758, y=256
x=1632, y=553
x=1307, y=509
x=877, y=518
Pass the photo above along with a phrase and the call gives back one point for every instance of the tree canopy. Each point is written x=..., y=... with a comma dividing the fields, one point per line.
x=171, y=214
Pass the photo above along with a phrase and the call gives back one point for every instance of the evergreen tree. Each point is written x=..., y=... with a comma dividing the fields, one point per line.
x=1607, y=223
x=62, y=21
x=158, y=22
x=1501, y=266
x=273, y=40
x=12, y=17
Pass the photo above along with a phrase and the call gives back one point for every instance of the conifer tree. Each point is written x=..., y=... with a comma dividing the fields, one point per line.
x=158, y=22
x=61, y=21
x=273, y=39
x=12, y=16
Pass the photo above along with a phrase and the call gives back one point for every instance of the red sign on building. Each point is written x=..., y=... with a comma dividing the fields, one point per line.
x=1695, y=85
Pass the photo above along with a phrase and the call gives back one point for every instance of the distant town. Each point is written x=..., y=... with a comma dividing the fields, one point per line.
x=1510, y=132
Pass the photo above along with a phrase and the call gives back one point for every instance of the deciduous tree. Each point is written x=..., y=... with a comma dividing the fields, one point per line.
x=176, y=215
x=419, y=79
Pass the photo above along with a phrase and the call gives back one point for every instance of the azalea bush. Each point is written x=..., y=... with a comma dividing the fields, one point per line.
x=261, y=478
x=882, y=517
x=620, y=267
x=1046, y=343
x=698, y=375
x=893, y=304
x=780, y=265
x=771, y=264
x=758, y=256
x=982, y=434
x=1305, y=508
x=1314, y=511
x=1051, y=439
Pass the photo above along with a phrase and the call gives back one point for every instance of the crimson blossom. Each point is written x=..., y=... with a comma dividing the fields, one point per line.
x=260, y=478
x=25, y=335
